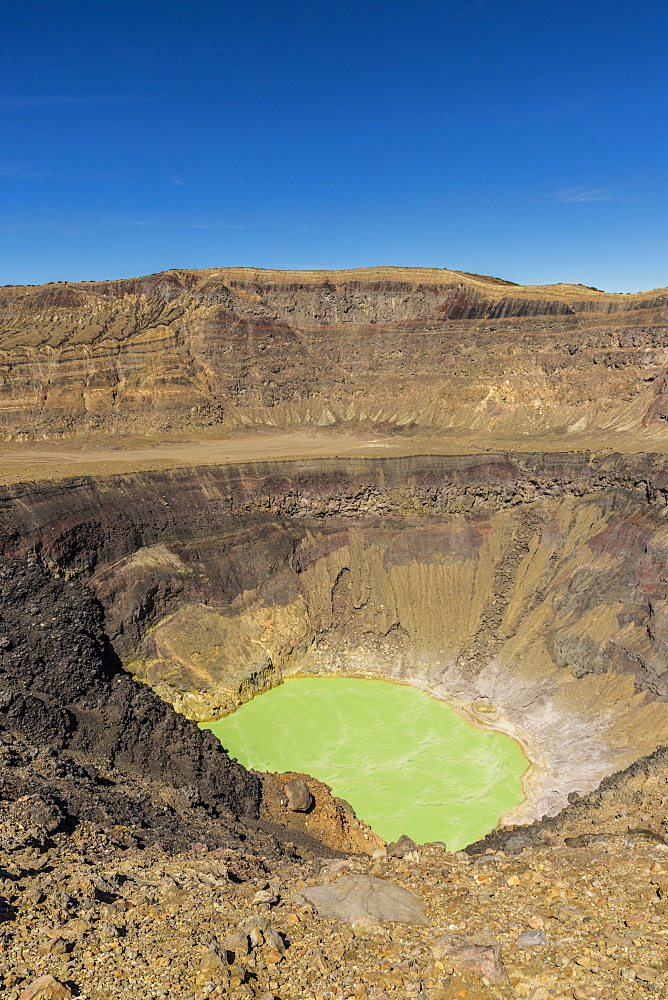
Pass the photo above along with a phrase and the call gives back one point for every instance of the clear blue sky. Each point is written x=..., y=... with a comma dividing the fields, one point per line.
x=521, y=138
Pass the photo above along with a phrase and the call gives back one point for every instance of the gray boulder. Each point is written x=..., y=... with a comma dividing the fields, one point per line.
x=532, y=939
x=362, y=898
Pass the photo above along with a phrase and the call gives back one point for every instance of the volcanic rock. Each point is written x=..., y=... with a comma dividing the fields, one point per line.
x=471, y=956
x=46, y=988
x=532, y=939
x=401, y=847
x=214, y=958
x=298, y=796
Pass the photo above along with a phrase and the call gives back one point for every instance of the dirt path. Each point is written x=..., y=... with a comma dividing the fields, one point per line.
x=20, y=461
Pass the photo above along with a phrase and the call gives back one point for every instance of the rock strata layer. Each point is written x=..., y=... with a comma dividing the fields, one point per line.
x=388, y=348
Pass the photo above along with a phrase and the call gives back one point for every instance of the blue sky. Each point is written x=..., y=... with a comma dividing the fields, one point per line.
x=522, y=139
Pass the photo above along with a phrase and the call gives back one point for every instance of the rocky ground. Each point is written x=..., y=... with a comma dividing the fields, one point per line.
x=105, y=920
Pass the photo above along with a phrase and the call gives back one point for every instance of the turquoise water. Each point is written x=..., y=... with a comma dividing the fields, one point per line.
x=406, y=762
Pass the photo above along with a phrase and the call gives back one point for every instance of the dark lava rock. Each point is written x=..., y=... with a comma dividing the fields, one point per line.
x=93, y=743
x=44, y=813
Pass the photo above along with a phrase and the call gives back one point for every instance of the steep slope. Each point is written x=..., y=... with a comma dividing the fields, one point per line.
x=63, y=690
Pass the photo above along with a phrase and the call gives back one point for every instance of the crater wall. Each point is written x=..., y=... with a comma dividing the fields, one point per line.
x=400, y=350
x=531, y=593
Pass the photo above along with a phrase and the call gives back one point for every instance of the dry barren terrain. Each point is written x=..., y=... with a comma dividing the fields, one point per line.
x=211, y=480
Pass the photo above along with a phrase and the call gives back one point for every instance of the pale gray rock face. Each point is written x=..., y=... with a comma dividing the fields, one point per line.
x=362, y=898
x=298, y=795
x=532, y=939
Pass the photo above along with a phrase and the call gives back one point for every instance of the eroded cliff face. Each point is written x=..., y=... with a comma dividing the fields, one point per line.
x=531, y=594
x=394, y=349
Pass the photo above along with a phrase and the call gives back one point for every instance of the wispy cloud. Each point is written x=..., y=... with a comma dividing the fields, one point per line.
x=88, y=224
x=55, y=101
x=43, y=226
x=22, y=173
x=579, y=195
x=163, y=224
x=208, y=225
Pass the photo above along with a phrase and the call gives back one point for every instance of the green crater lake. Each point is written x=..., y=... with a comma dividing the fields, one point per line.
x=406, y=762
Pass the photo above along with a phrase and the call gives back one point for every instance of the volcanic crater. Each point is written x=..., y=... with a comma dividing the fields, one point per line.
x=215, y=480
x=526, y=588
x=530, y=594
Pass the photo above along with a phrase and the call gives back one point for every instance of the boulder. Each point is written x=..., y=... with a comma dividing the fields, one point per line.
x=363, y=898
x=532, y=939
x=401, y=847
x=298, y=795
x=46, y=988
x=44, y=812
x=213, y=959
